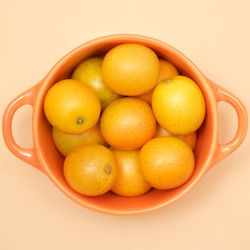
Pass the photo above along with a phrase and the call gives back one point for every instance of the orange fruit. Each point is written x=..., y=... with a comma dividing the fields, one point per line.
x=71, y=107
x=65, y=143
x=89, y=72
x=167, y=70
x=166, y=162
x=130, y=181
x=128, y=123
x=131, y=69
x=178, y=105
x=90, y=169
x=190, y=139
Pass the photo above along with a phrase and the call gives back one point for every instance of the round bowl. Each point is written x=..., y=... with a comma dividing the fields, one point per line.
x=45, y=157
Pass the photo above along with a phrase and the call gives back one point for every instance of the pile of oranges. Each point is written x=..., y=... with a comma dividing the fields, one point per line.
x=125, y=122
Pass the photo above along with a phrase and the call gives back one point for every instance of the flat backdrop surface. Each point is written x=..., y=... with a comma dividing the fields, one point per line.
x=34, y=214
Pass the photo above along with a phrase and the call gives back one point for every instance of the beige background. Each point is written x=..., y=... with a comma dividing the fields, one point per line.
x=35, y=215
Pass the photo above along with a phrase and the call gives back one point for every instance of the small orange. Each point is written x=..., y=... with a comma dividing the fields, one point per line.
x=166, y=162
x=65, y=143
x=130, y=181
x=190, y=139
x=128, y=123
x=167, y=70
x=131, y=69
x=90, y=169
x=90, y=73
x=71, y=106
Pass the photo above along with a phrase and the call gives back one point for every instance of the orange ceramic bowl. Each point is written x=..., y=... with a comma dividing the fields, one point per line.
x=46, y=158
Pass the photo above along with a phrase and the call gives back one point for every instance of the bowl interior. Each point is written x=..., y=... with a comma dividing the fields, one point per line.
x=53, y=161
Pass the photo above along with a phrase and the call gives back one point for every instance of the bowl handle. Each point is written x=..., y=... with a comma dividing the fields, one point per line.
x=27, y=155
x=222, y=94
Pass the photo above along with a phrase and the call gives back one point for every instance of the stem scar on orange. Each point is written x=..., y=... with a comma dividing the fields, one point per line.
x=71, y=107
x=90, y=169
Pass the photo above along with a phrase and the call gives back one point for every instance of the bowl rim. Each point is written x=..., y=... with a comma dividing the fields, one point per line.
x=118, y=38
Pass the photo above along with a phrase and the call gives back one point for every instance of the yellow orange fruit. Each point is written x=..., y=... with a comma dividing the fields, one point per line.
x=178, y=105
x=131, y=69
x=128, y=123
x=166, y=162
x=190, y=139
x=71, y=107
x=130, y=181
x=167, y=70
x=65, y=143
x=89, y=72
x=90, y=169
